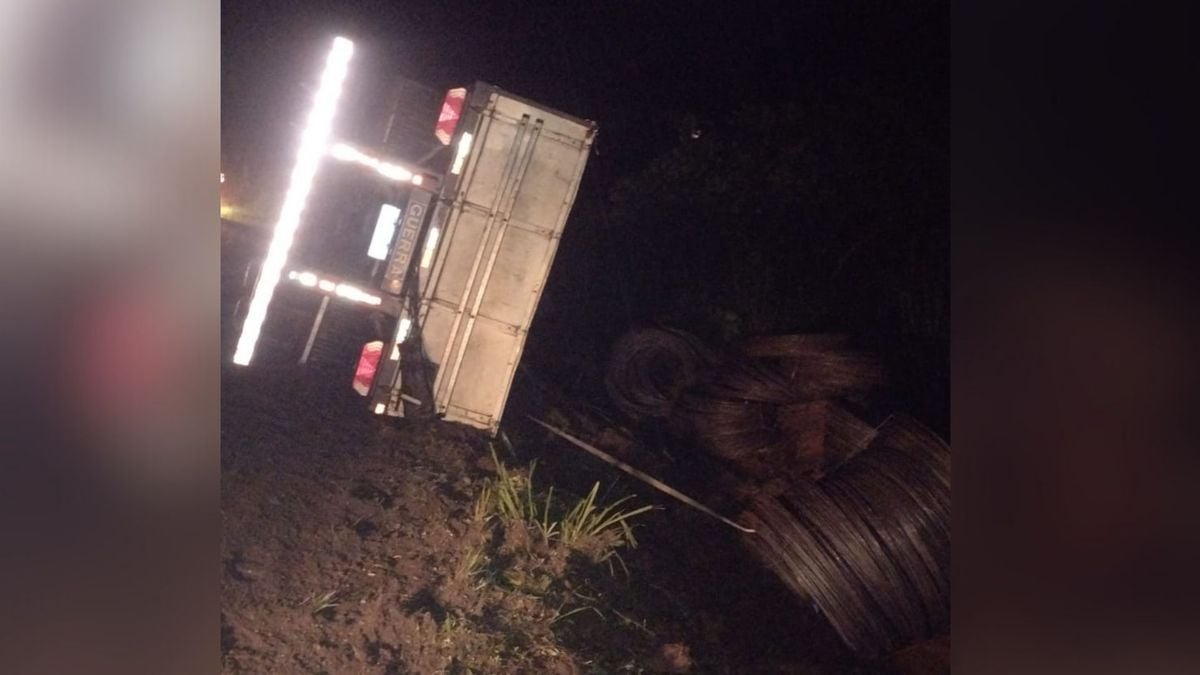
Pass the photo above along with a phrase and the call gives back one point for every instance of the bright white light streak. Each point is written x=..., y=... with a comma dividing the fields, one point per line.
x=379, y=408
x=430, y=246
x=313, y=144
x=394, y=172
x=346, y=153
x=355, y=294
x=385, y=228
x=402, y=330
x=460, y=155
x=342, y=290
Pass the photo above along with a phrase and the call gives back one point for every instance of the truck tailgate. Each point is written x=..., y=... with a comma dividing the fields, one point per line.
x=500, y=222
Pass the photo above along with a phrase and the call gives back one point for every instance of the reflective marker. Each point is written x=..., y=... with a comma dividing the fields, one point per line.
x=385, y=229
x=312, y=147
x=460, y=155
x=430, y=247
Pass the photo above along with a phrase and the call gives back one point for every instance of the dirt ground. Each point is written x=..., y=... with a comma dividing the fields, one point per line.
x=345, y=538
x=352, y=544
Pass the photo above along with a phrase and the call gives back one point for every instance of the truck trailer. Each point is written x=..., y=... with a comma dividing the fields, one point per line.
x=459, y=256
x=487, y=251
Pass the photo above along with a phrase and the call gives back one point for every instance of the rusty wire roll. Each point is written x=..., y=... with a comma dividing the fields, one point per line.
x=798, y=437
x=760, y=407
x=853, y=518
x=763, y=441
x=793, y=368
x=814, y=366
x=768, y=407
x=649, y=368
x=870, y=543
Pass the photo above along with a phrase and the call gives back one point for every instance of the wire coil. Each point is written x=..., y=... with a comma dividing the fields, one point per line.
x=870, y=543
x=649, y=369
x=853, y=518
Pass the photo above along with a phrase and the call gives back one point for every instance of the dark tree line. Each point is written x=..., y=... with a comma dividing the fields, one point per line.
x=787, y=218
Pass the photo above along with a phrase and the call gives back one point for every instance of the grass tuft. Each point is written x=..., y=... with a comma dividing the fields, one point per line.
x=473, y=564
x=586, y=525
x=587, y=520
x=320, y=603
x=513, y=499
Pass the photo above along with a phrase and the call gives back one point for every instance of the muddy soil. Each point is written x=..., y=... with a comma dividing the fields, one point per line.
x=351, y=545
x=345, y=537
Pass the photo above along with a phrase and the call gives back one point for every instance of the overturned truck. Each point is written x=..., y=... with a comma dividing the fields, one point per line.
x=462, y=244
x=852, y=513
x=487, y=249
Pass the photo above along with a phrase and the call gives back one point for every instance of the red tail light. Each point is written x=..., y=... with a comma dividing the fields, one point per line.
x=452, y=107
x=364, y=375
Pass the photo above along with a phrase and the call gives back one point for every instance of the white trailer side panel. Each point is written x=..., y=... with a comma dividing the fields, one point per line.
x=507, y=210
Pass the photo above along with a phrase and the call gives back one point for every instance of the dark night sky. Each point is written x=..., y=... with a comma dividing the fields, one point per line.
x=632, y=66
x=844, y=228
